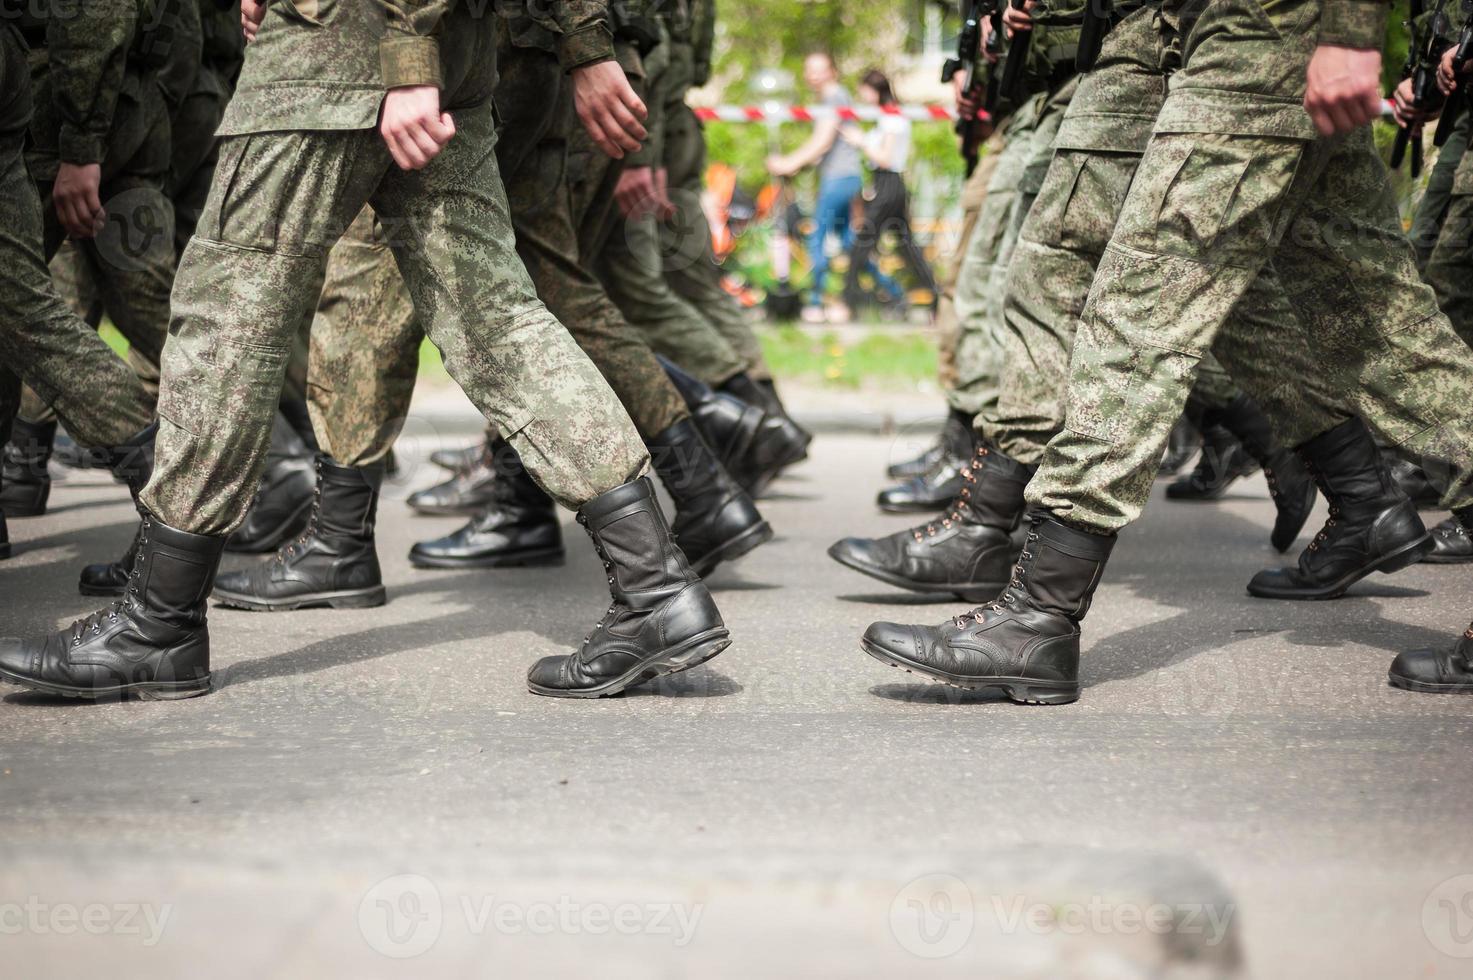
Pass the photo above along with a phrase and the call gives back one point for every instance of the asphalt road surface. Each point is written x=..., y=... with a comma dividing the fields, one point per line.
x=373, y=793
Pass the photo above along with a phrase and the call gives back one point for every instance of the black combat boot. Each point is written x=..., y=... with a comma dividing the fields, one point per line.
x=27, y=454
x=1445, y=671
x=154, y=644
x=969, y=552
x=1372, y=525
x=332, y=563
x=458, y=460
x=936, y=487
x=742, y=386
x=284, y=496
x=1220, y=464
x=1452, y=540
x=715, y=520
x=519, y=527
x=469, y=491
x=1181, y=445
x=956, y=421
x=4, y=531
x=1027, y=640
x=1289, y=483
x=131, y=464
x=1414, y=480
x=662, y=619
x=753, y=444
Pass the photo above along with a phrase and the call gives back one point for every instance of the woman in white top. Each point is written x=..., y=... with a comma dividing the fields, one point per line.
x=886, y=148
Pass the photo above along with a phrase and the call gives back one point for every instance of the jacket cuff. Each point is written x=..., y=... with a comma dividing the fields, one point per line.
x=587, y=46
x=409, y=59
x=80, y=146
x=1353, y=23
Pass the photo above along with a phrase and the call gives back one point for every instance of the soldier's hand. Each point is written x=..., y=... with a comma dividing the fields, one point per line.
x=413, y=126
x=1015, y=19
x=988, y=55
x=635, y=192
x=1344, y=88
x=608, y=108
x=78, y=201
x=1407, y=115
x=1447, y=72
x=252, y=12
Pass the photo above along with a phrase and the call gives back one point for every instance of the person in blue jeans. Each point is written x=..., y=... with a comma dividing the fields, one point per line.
x=840, y=174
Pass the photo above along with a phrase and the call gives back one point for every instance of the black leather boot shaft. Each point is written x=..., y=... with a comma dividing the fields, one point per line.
x=132, y=461
x=715, y=519
x=1061, y=566
x=753, y=445
x=111, y=578
x=284, y=495
x=1220, y=463
x=153, y=644
x=25, y=478
x=957, y=421
x=791, y=446
x=519, y=527
x=1373, y=526
x=662, y=618
x=333, y=562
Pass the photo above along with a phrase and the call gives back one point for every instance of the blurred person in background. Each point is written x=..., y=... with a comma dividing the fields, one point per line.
x=886, y=148
x=840, y=174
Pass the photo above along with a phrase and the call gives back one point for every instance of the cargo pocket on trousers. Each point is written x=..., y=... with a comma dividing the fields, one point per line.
x=217, y=378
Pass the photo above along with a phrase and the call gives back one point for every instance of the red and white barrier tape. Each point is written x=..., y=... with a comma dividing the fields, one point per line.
x=773, y=112
x=928, y=112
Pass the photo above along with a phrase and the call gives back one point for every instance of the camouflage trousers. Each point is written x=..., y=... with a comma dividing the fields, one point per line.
x=127, y=271
x=1432, y=210
x=365, y=340
x=1235, y=236
x=1099, y=145
x=1449, y=267
x=690, y=257
x=256, y=268
x=980, y=281
x=948, y=324
x=42, y=341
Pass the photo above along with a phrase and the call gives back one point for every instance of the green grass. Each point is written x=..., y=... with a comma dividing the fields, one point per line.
x=899, y=359
x=879, y=360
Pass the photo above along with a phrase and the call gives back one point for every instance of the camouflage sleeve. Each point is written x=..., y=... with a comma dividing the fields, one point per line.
x=703, y=37
x=88, y=45
x=409, y=53
x=1353, y=23
x=586, y=36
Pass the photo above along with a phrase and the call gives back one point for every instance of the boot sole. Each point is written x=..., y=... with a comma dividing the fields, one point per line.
x=347, y=599
x=151, y=691
x=1402, y=557
x=969, y=592
x=273, y=540
x=691, y=653
x=1423, y=687
x=1020, y=690
x=1439, y=560
x=528, y=557
x=749, y=540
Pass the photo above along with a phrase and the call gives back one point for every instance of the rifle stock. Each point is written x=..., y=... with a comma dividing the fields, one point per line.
x=1097, y=17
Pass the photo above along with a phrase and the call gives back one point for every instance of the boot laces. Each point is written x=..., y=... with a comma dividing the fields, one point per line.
x=969, y=475
x=94, y=623
x=1324, y=534
x=1004, y=602
x=289, y=550
x=608, y=574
